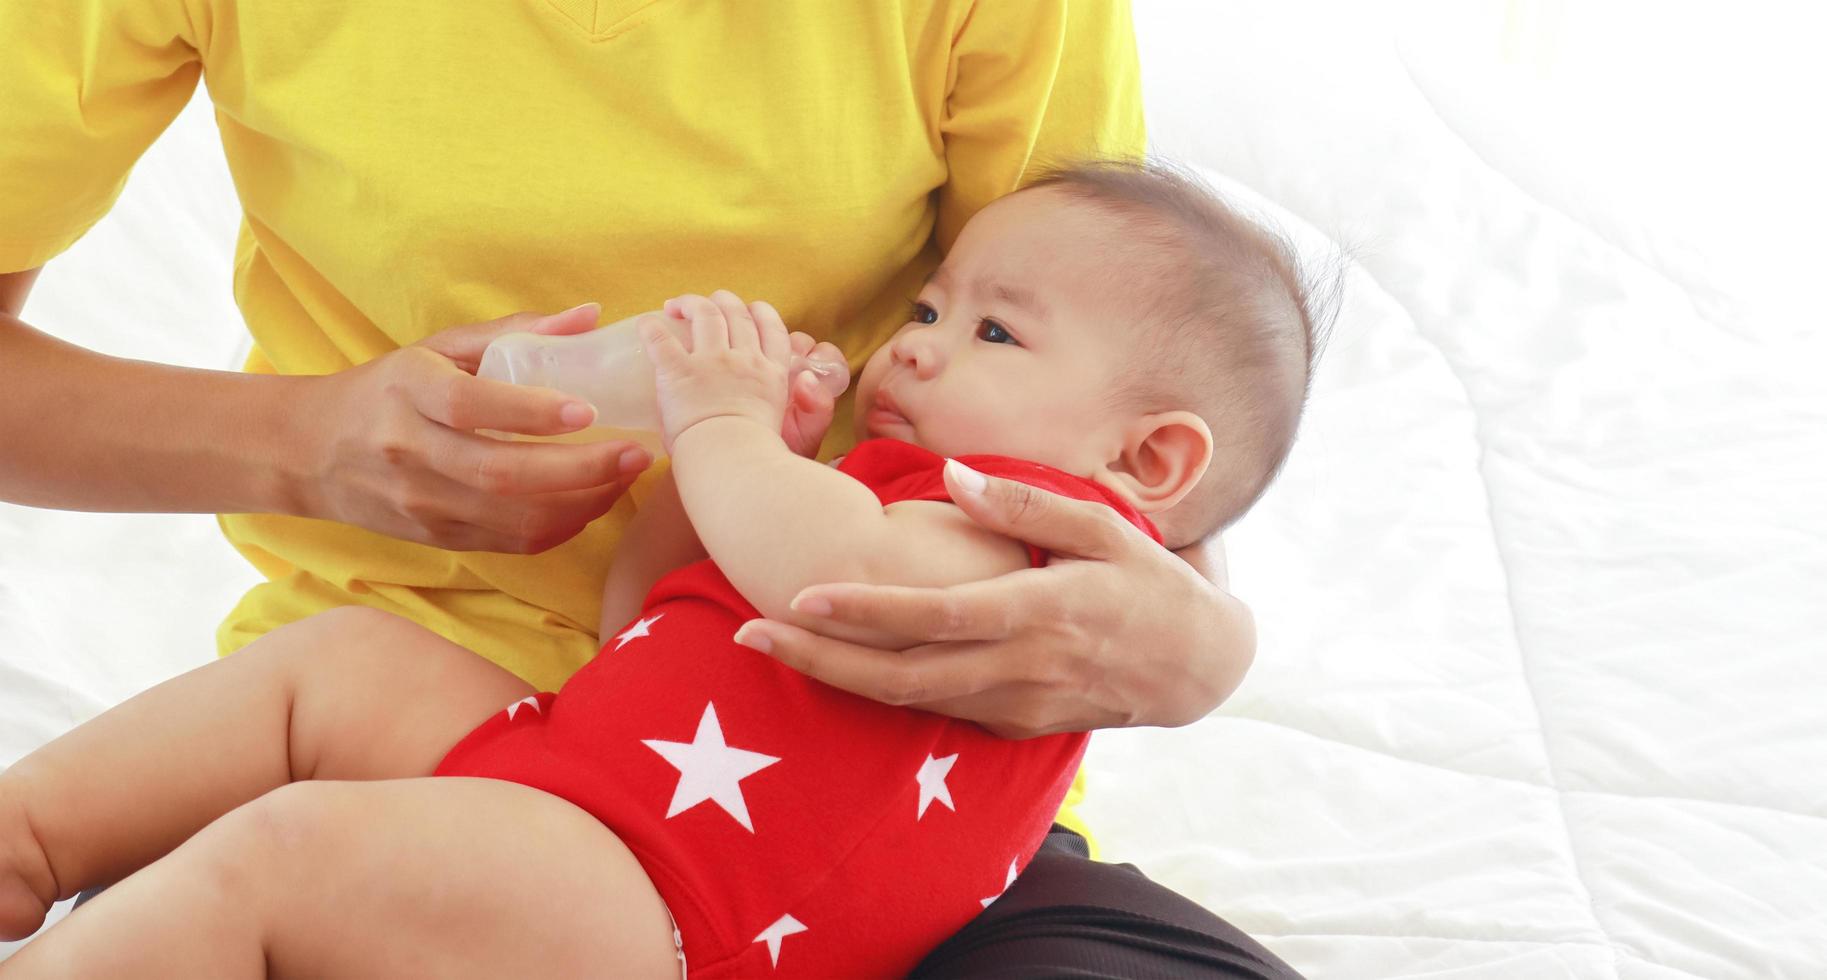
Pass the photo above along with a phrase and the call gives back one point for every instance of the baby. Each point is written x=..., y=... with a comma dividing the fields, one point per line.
x=1111, y=332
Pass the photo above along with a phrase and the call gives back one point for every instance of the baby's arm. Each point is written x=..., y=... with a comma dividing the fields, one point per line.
x=775, y=522
x=661, y=538
x=796, y=523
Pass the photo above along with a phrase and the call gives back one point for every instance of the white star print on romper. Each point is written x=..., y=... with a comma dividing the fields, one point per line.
x=783, y=927
x=931, y=778
x=710, y=769
x=514, y=709
x=640, y=628
x=1010, y=880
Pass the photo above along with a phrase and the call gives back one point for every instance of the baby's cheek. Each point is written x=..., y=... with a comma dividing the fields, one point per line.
x=864, y=388
x=985, y=429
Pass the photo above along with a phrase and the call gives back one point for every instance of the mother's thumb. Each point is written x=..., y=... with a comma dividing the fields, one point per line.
x=464, y=344
x=1038, y=517
x=577, y=319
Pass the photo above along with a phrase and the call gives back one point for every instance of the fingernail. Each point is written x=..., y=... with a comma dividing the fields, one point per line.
x=967, y=479
x=752, y=637
x=598, y=307
x=811, y=605
x=577, y=414
x=633, y=460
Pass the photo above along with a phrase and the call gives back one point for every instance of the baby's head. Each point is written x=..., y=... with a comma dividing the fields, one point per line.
x=1116, y=321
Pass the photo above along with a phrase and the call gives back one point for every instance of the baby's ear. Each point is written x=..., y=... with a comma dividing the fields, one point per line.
x=1162, y=459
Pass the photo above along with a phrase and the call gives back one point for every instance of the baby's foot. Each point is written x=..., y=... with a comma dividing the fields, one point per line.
x=24, y=876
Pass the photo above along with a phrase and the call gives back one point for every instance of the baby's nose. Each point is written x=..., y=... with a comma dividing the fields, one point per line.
x=919, y=350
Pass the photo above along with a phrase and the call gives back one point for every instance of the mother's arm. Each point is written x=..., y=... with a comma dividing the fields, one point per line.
x=1115, y=632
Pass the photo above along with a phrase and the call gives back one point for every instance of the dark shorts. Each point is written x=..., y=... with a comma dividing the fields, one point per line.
x=1068, y=916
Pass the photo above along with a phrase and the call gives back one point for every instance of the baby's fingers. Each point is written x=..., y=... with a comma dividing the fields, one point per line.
x=742, y=328
x=809, y=397
x=709, y=330
x=664, y=349
x=775, y=342
x=827, y=363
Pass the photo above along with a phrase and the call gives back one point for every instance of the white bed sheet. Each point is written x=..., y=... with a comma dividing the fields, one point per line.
x=1539, y=593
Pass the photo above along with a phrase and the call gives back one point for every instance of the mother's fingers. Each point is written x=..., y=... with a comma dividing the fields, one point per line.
x=506, y=469
x=450, y=397
x=526, y=525
x=464, y=344
x=991, y=609
x=1021, y=710
x=1062, y=525
x=910, y=677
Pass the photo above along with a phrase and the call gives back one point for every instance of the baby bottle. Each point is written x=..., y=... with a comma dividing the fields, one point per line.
x=607, y=368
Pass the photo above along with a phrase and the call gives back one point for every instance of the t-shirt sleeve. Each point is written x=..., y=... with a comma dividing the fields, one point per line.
x=85, y=87
x=1034, y=84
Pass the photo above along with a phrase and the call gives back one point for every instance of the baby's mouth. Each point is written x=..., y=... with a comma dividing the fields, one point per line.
x=885, y=414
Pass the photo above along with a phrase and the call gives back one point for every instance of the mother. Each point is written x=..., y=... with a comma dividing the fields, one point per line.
x=404, y=167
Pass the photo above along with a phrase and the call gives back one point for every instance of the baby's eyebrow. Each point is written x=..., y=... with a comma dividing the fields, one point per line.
x=1018, y=297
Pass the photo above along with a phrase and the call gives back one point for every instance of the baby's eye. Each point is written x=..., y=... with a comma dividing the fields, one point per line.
x=995, y=333
x=924, y=314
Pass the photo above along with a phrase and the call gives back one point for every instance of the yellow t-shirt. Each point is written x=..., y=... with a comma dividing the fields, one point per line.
x=409, y=166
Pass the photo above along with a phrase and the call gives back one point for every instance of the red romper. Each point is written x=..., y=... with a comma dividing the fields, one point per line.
x=793, y=829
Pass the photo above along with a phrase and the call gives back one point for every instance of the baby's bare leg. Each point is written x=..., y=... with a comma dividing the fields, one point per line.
x=348, y=694
x=443, y=877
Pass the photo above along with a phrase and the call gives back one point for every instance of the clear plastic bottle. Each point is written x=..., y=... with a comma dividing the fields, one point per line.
x=607, y=368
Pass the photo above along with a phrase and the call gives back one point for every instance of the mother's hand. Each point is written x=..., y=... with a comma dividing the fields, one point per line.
x=393, y=447
x=1115, y=631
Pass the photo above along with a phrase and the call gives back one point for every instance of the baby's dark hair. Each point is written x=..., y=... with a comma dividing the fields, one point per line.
x=1232, y=326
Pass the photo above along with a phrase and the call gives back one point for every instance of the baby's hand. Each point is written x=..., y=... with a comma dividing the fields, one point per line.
x=736, y=363
x=810, y=403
